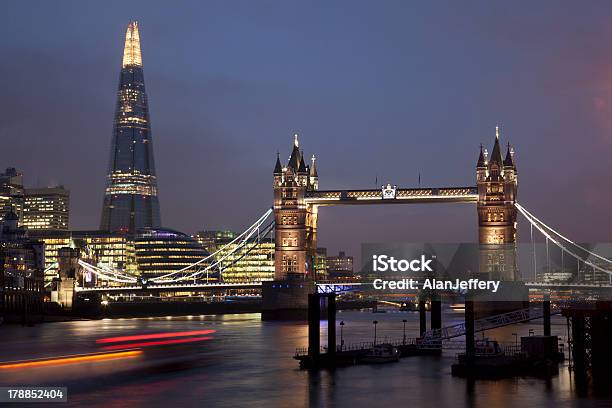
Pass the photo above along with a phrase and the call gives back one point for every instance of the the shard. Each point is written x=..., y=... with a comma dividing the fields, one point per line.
x=130, y=199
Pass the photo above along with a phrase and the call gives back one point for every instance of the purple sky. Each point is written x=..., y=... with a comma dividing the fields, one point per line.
x=385, y=88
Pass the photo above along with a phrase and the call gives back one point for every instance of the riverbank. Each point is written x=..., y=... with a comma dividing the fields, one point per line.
x=159, y=309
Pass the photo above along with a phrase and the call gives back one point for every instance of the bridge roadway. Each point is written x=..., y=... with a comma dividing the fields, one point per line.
x=323, y=287
x=397, y=196
x=175, y=286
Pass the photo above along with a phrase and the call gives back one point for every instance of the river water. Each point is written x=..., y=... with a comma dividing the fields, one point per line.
x=249, y=363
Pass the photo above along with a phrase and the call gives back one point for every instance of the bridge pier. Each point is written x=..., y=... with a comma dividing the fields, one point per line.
x=591, y=336
x=286, y=299
x=314, y=325
x=436, y=313
x=546, y=306
x=470, y=348
x=422, y=318
x=331, y=324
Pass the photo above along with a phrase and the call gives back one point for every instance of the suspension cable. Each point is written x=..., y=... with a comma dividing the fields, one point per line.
x=248, y=231
x=547, y=235
x=527, y=214
x=219, y=261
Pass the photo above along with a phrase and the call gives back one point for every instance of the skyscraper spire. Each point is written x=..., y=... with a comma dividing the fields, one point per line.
x=130, y=199
x=131, y=50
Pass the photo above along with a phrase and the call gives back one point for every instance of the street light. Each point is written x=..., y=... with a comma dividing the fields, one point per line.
x=375, y=323
x=341, y=335
x=404, y=331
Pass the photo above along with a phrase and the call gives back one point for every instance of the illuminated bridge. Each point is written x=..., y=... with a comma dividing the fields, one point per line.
x=413, y=195
x=293, y=220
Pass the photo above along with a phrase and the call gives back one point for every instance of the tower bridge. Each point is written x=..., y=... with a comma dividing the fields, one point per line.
x=297, y=199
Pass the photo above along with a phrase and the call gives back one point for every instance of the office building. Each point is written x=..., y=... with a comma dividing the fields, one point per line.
x=11, y=193
x=256, y=261
x=340, y=266
x=130, y=198
x=46, y=208
x=113, y=250
x=211, y=239
x=21, y=271
x=321, y=264
x=161, y=251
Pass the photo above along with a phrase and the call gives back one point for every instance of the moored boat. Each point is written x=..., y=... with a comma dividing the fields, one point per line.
x=382, y=353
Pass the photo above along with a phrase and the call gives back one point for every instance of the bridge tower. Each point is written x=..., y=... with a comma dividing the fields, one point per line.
x=295, y=230
x=497, y=183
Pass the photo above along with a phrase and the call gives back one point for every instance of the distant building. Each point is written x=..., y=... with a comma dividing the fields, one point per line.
x=321, y=264
x=46, y=208
x=110, y=249
x=21, y=270
x=11, y=193
x=160, y=251
x=212, y=238
x=340, y=266
x=252, y=264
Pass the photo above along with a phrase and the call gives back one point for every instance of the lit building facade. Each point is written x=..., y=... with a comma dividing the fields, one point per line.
x=321, y=264
x=46, y=208
x=111, y=249
x=11, y=193
x=160, y=251
x=130, y=199
x=340, y=266
x=254, y=266
x=211, y=239
x=21, y=270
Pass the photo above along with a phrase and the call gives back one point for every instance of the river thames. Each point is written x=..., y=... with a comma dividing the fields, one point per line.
x=247, y=362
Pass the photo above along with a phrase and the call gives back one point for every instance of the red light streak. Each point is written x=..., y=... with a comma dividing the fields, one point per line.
x=157, y=343
x=153, y=336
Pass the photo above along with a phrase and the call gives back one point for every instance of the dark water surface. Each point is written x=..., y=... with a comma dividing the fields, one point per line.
x=248, y=363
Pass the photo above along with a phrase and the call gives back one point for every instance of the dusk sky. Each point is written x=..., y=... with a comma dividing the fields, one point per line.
x=376, y=89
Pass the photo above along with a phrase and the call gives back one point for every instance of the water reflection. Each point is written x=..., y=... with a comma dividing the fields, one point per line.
x=248, y=363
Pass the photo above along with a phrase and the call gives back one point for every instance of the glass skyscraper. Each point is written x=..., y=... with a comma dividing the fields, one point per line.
x=130, y=200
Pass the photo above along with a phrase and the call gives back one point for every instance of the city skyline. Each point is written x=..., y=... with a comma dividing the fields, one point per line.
x=308, y=204
x=220, y=117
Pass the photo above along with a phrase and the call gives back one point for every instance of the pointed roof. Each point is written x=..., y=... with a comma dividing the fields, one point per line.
x=509, y=160
x=496, y=156
x=294, y=159
x=481, y=158
x=313, y=167
x=131, y=51
x=302, y=166
x=278, y=169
